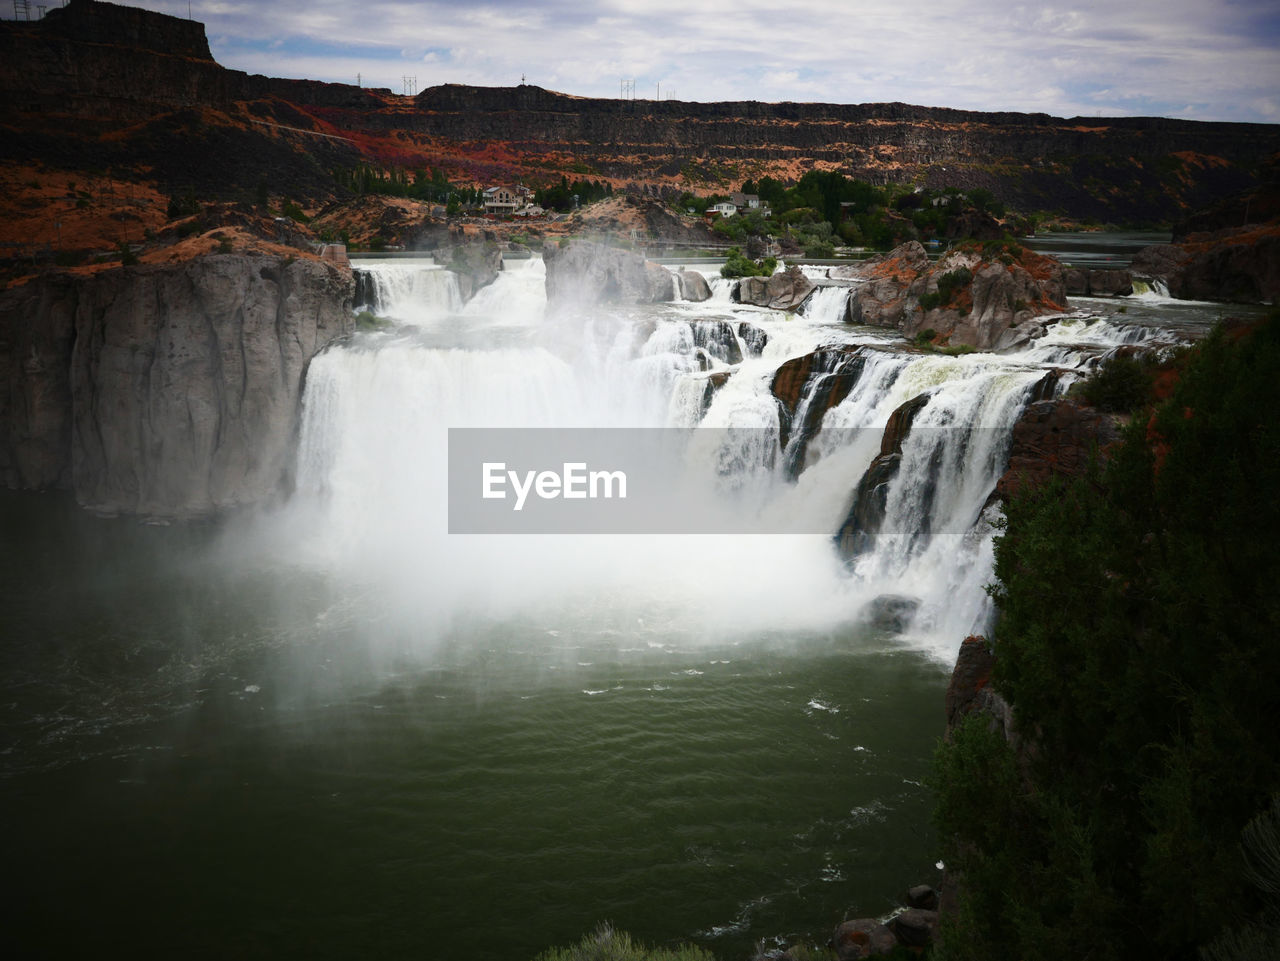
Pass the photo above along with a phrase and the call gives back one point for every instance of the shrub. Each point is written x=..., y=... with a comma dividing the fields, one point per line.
x=127, y=257
x=368, y=320
x=1120, y=385
x=1136, y=648
x=294, y=212
x=738, y=265
x=606, y=944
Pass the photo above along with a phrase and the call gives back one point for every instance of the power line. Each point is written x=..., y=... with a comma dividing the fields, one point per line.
x=410, y=86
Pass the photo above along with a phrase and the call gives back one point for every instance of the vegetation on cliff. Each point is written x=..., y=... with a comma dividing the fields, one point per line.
x=1136, y=646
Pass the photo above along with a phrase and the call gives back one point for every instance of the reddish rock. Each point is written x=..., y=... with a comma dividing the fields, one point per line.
x=969, y=678
x=863, y=938
x=1055, y=438
x=1241, y=265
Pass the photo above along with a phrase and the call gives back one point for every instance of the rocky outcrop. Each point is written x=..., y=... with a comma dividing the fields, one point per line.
x=1097, y=282
x=1055, y=438
x=785, y=290
x=863, y=938
x=973, y=296
x=717, y=339
x=582, y=273
x=164, y=391
x=858, y=533
x=1237, y=265
x=476, y=265
x=810, y=385
x=37, y=332
x=693, y=286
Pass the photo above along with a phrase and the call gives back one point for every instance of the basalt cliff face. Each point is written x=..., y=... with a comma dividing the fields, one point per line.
x=196, y=124
x=163, y=391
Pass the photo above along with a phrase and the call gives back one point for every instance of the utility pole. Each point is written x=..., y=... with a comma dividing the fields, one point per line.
x=358, y=84
x=410, y=86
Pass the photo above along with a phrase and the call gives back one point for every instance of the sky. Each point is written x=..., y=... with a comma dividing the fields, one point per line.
x=1192, y=59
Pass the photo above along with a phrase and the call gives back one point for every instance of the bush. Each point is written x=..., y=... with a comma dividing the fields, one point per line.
x=294, y=212
x=1120, y=385
x=1136, y=647
x=738, y=265
x=368, y=320
x=606, y=944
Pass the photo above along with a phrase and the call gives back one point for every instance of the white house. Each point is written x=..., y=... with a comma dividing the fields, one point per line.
x=724, y=209
x=506, y=200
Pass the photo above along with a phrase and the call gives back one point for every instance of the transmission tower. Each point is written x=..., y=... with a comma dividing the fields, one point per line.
x=21, y=9
x=628, y=89
x=410, y=86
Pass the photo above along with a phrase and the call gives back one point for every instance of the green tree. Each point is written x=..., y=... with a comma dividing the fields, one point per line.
x=1136, y=646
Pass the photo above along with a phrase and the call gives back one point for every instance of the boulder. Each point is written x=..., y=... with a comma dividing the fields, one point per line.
x=660, y=283
x=923, y=896
x=914, y=927
x=863, y=938
x=1097, y=282
x=1105, y=282
x=693, y=286
x=181, y=394
x=892, y=612
x=785, y=290
x=582, y=273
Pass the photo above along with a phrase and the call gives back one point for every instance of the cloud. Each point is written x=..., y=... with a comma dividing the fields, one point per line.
x=1207, y=59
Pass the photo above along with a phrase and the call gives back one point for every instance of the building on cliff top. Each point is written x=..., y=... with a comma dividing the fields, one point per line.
x=506, y=200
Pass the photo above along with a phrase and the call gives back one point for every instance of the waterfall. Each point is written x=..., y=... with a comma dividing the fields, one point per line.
x=371, y=473
x=826, y=305
x=408, y=294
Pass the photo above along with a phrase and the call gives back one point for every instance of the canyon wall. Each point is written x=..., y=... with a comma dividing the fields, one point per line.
x=104, y=65
x=163, y=391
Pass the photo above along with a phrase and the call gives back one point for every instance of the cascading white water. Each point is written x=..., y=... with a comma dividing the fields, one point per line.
x=376, y=412
x=826, y=305
x=413, y=294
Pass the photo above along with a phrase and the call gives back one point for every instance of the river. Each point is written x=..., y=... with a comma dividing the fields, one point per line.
x=331, y=729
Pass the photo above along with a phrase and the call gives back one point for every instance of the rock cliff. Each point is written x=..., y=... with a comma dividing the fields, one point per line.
x=1238, y=265
x=980, y=295
x=163, y=391
x=106, y=66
